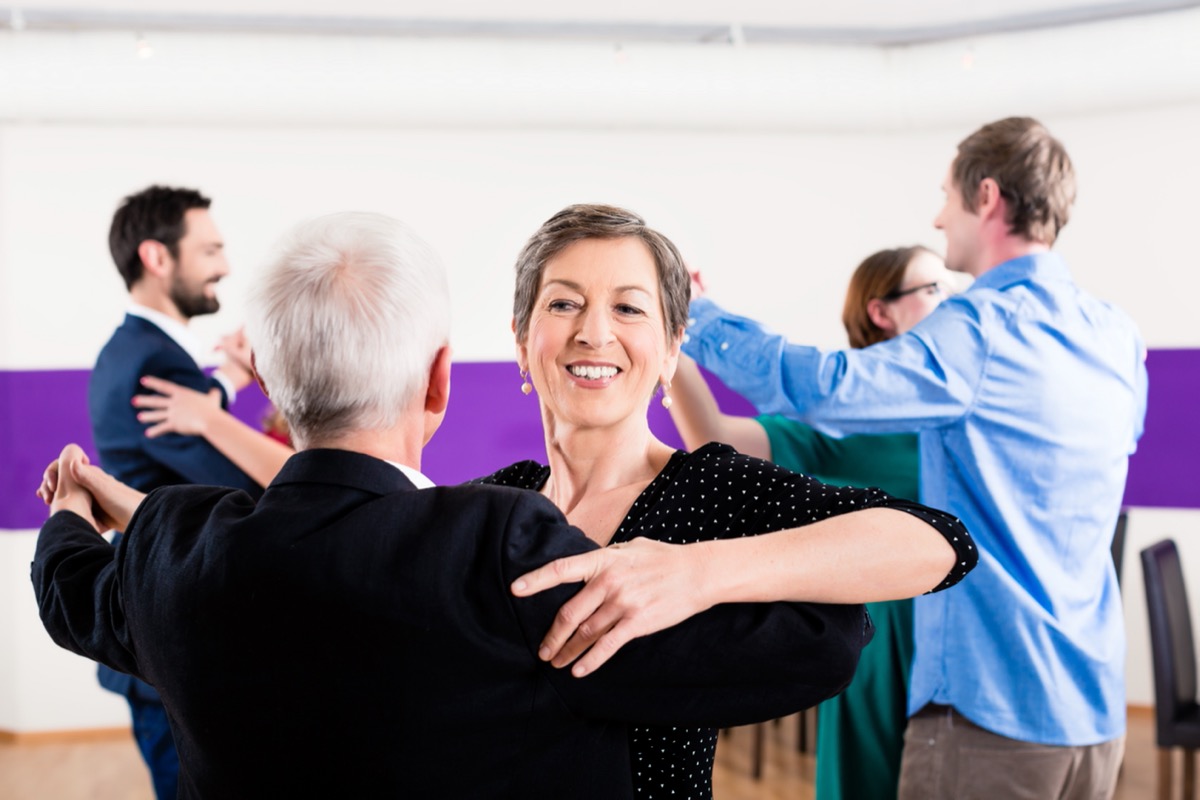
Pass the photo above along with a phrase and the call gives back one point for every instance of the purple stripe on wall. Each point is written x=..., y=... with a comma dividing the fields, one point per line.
x=491, y=424
x=1165, y=470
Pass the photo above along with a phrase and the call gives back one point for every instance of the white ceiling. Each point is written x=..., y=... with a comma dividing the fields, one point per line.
x=843, y=21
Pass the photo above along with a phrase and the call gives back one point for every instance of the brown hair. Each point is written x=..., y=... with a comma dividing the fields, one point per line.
x=1030, y=166
x=877, y=276
x=156, y=212
x=578, y=222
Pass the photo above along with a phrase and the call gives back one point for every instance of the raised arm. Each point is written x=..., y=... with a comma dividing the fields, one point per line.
x=178, y=409
x=700, y=420
x=922, y=379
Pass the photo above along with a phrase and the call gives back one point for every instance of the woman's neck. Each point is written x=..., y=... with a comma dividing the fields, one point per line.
x=597, y=473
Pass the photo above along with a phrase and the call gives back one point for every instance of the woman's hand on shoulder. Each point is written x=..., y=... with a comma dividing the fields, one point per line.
x=632, y=589
x=174, y=408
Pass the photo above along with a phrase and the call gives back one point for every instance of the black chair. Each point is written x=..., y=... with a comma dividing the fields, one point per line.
x=1176, y=713
x=1118, y=543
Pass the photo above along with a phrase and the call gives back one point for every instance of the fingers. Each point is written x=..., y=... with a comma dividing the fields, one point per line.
x=154, y=431
x=155, y=418
x=574, y=623
x=95, y=480
x=151, y=400
x=68, y=494
x=586, y=635
x=563, y=570
x=49, y=483
x=69, y=455
x=113, y=503
x=158, y=385
x=604, y=649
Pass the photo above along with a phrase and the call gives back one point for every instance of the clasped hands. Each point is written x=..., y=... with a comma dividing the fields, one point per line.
x=72, y=483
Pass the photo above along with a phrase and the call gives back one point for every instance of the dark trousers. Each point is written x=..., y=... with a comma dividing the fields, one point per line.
x=948, y=757
x=153, y=735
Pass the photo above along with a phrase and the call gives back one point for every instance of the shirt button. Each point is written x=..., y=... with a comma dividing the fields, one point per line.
x=724, y=345
x=691, y=321
x=687, y=337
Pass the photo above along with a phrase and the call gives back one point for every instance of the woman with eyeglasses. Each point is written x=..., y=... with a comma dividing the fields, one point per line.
x=860, y=733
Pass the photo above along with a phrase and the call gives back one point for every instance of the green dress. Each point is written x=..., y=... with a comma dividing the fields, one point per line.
x=860, y=733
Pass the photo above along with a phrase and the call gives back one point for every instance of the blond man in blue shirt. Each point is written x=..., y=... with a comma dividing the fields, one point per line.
x=1028, y=396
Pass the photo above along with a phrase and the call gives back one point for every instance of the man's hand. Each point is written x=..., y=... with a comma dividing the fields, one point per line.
x=698, y=287
x=237, y=367
x=72, y=483
x=633, y=589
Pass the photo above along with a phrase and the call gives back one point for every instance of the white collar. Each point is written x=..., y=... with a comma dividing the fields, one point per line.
x=176, y=330
x=418, y=479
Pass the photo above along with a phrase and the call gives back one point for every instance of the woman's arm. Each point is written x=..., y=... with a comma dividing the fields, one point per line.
x=645, y=586
x=700, y=420
x=178, y=409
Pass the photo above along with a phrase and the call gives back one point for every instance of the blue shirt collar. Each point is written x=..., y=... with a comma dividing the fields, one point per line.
x=1036, y=266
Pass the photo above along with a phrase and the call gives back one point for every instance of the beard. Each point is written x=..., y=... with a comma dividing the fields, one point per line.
x=192, y=302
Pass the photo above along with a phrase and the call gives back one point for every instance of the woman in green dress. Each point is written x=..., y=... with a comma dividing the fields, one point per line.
x=860, y=733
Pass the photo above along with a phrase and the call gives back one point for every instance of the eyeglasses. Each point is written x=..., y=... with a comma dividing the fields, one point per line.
x=933, y=288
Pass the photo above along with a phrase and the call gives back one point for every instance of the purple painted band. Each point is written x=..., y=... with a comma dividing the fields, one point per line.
x=491, y=424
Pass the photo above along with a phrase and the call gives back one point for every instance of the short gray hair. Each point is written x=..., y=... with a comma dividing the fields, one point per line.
x=345, y=323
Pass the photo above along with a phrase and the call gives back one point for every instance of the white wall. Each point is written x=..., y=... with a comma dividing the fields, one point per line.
x=776, y=211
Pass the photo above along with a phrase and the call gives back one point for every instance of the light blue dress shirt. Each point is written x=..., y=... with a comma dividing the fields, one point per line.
x=1028, y=396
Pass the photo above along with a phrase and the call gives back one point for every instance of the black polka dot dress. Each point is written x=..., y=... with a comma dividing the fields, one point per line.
x=718, y=493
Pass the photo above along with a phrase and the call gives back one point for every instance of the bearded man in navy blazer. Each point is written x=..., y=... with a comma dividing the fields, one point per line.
x=353, y=633
x=171, y=256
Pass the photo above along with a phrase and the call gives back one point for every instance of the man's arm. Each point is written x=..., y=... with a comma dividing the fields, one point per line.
x=728, y=665
x=925, y=378
x=74, y=575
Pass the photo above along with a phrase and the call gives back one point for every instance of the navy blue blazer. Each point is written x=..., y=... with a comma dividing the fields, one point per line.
x=139, y=347
x=351, y=636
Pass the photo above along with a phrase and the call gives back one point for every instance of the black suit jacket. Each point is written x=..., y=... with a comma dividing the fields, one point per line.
x=349, y=635
x=139, y=347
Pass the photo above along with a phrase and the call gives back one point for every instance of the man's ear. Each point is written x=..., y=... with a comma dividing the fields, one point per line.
x=878, y=314
x=988, y=198
x=437, y=395
x=258, y=378
x=155, y=258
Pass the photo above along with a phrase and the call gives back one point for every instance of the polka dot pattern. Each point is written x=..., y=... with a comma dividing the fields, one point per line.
x=718, y=493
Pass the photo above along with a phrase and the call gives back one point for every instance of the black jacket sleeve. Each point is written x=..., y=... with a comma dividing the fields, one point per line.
x=75, y=579
x=730, y=665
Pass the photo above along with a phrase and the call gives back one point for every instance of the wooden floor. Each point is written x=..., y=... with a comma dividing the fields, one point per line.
x=110, y=769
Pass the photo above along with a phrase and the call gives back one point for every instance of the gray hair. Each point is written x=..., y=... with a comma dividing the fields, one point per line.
x=346, y=322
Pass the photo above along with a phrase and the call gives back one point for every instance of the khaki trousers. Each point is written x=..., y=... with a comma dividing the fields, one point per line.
x=948, y=757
